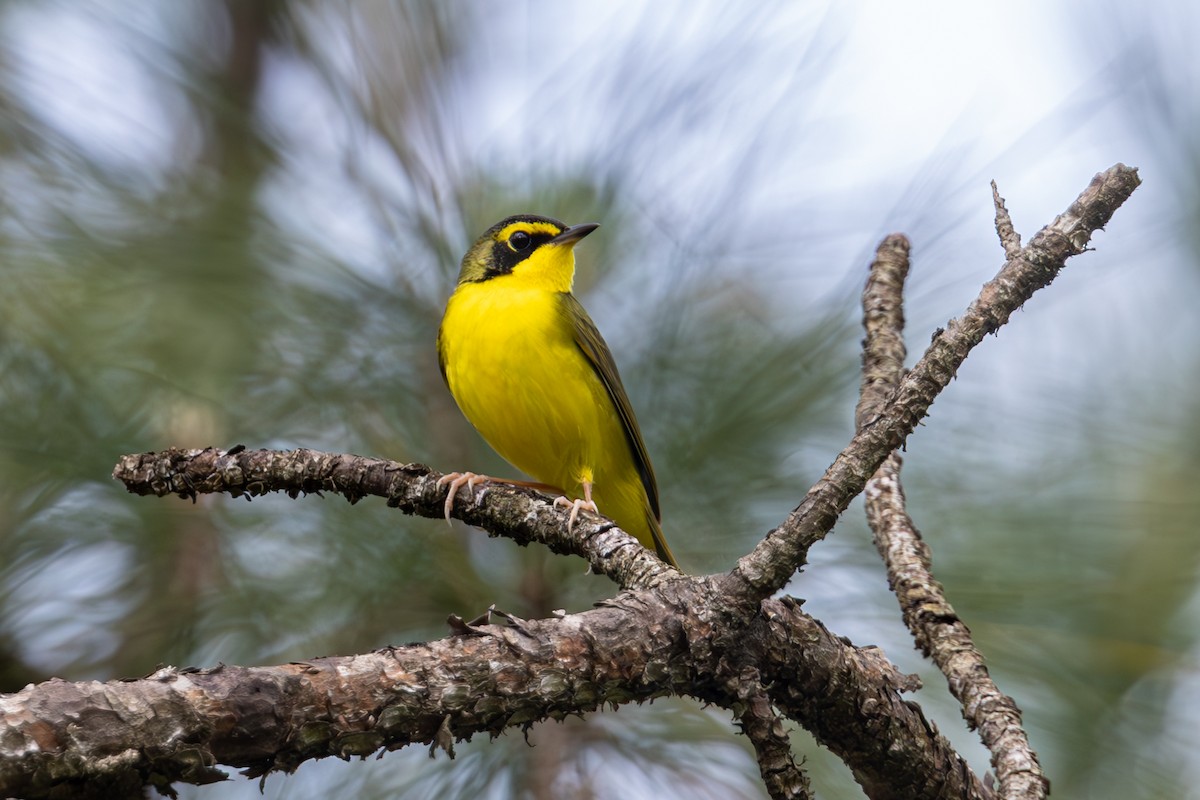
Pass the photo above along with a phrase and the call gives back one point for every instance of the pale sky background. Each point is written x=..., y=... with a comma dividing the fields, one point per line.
x=916, y=101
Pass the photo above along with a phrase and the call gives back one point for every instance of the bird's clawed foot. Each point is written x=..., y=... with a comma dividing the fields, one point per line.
x=457, y=480
x=586, y=504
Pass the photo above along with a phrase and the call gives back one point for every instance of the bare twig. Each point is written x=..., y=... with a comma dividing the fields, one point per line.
x=935, y=626
x=769, y=566
x=1010, y=240
x=883, y=319
x=783, y=777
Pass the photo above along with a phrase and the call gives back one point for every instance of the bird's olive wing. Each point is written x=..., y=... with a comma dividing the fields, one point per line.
x=598, y=355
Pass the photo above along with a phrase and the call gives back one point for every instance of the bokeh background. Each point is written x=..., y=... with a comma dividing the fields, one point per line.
x=228, y=221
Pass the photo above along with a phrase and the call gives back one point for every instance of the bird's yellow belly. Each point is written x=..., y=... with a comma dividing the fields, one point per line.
x=514, y=368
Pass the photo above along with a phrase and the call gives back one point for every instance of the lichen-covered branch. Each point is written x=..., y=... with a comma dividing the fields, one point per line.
x=517, y=513
x=935, y=626
x=772, y=563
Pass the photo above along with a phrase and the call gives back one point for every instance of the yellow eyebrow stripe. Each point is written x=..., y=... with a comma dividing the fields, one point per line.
x=528, y=227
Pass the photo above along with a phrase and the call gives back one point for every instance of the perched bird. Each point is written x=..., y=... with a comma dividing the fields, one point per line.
x=530, y=371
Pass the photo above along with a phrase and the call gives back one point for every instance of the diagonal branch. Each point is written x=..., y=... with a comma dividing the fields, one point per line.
x=769, y=566
x=935, y=626
x=518, y=513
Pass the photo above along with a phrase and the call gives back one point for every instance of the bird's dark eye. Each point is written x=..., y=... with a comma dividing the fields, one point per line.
x=520, y=241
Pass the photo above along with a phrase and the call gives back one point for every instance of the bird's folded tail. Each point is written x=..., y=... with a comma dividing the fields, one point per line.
x=660, y=541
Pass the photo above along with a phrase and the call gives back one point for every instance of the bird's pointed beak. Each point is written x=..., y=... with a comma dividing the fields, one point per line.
x=574, y=233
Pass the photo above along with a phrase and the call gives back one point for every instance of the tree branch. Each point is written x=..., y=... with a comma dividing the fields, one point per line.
x=176, y=724
x=783, y=777
x=936, y=627
x=1010, y=240
x=515, y=512
x=772, y=563
x=891, y=761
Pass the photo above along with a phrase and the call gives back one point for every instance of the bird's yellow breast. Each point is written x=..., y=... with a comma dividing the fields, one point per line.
x=514, y=368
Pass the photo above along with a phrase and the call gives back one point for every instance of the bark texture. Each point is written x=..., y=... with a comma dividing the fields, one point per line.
x=88, y=738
